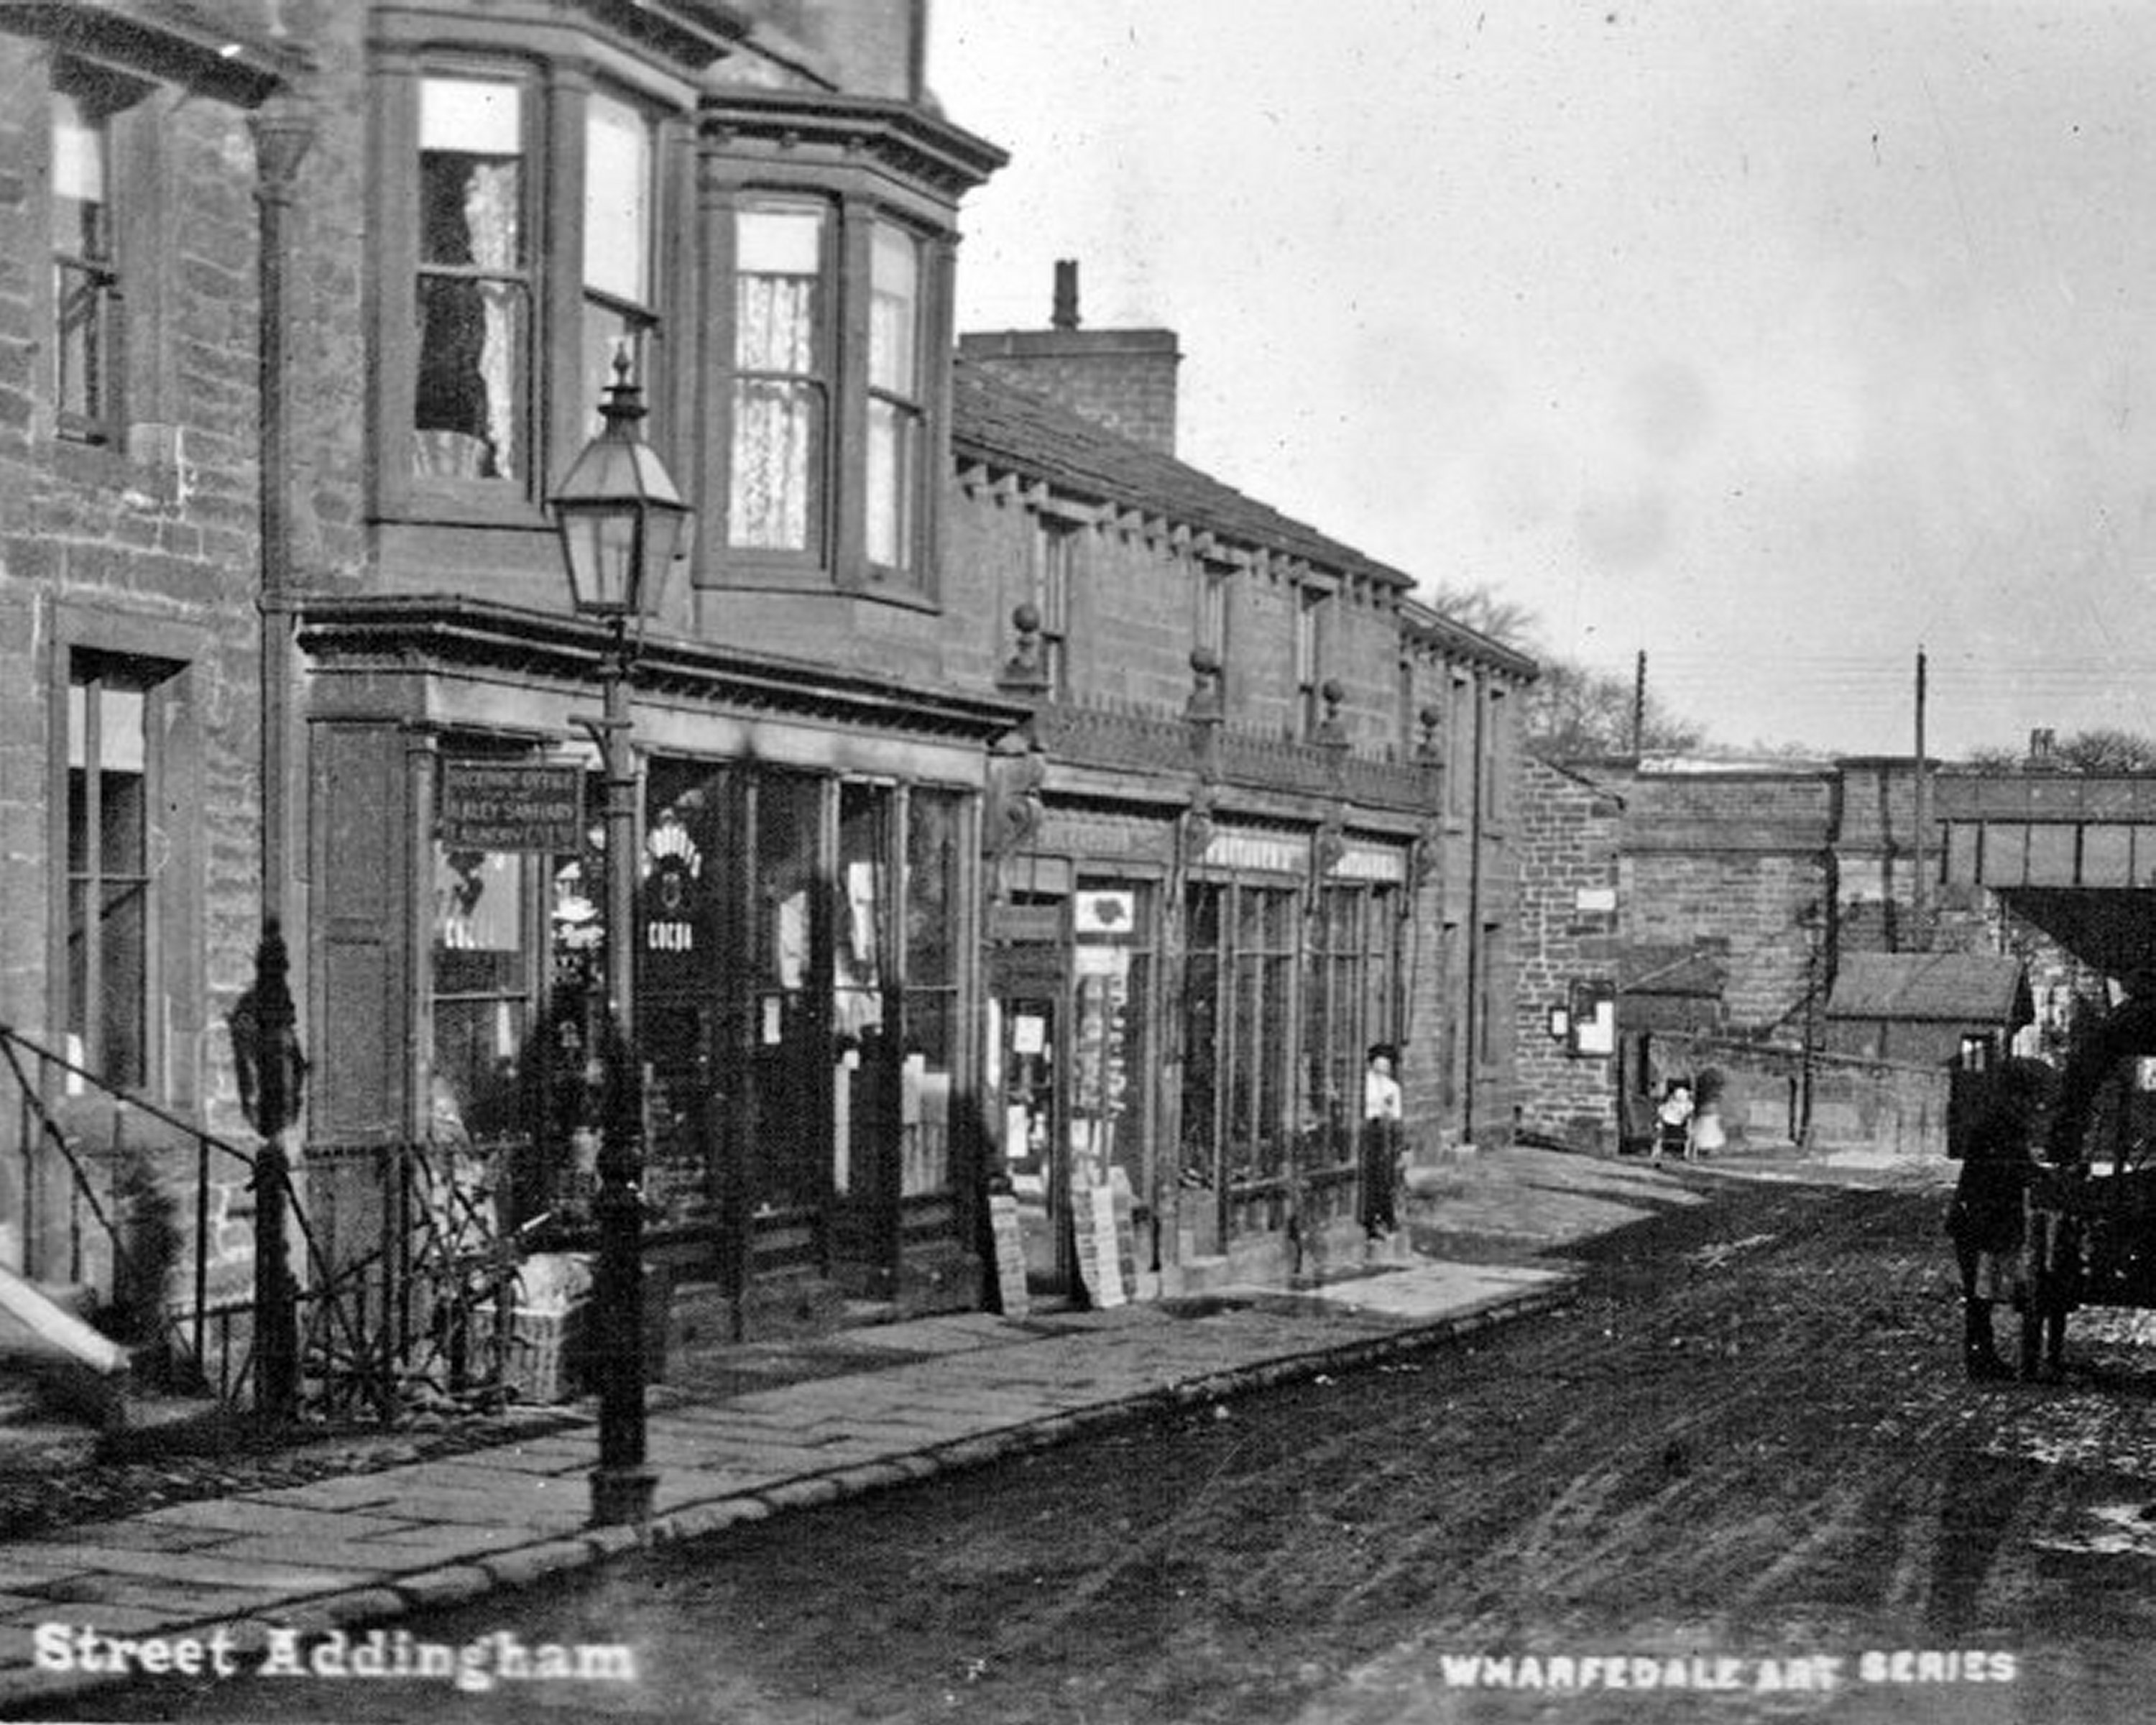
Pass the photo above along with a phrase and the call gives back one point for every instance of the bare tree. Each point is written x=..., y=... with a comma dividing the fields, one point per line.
x=1573, y=711
x=1482, y=608
x=2101, y=749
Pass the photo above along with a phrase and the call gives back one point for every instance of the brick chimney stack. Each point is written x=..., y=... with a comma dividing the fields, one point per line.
x=1123, y=379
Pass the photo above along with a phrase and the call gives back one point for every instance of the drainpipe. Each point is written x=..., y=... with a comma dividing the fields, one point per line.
x=1478, y=959
x=282, y=136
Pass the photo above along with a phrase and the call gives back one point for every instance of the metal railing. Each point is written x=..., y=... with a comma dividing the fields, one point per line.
x=428, y=1308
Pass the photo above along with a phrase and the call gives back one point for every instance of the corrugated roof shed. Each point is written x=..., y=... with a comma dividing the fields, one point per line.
x=1933, y=987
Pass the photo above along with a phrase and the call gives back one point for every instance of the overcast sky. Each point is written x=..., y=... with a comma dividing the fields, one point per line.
x=1774, y=339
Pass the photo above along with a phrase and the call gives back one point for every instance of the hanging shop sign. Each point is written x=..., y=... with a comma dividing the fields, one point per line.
x=509, y=805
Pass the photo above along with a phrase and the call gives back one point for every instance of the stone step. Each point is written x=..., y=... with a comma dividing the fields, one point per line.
x=44, y=1446
x=19, y=1402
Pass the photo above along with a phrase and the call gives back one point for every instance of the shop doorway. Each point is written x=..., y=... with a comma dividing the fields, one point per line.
x=1025, y=987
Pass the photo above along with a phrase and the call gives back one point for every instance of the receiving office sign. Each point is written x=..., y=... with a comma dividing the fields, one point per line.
x=509, y=805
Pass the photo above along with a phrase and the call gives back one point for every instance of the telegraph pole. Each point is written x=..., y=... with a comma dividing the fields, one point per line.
x=1640, y=704
x=1919, y=910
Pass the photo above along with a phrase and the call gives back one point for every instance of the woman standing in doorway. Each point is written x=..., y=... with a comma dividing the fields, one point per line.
x=1382, y=1114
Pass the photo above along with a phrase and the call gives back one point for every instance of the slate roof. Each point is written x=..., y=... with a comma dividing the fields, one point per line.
x=1644, y=969
x=1000, y=423
x=1935, y=988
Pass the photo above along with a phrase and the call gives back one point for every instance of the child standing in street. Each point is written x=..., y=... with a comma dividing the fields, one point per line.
x=1673, y=1122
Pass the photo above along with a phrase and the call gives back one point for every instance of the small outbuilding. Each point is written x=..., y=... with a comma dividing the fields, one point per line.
x=1926, y=1009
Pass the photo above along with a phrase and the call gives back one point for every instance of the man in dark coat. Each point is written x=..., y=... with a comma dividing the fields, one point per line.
x=1986, y=1221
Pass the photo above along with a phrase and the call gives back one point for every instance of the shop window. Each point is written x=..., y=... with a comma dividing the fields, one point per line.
x=1259, y=1063
x=1347, y=999
x=484, y=984
x=1204, y=908
x=790, y=1069
x=1238, y=1052
x=934, y=844
x=862, y=962
x=1113, y=973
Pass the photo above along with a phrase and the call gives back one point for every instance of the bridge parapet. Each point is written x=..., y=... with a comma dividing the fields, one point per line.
x=2048, y=829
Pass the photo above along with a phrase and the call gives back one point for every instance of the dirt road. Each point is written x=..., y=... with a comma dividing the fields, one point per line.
x=1745, y=1457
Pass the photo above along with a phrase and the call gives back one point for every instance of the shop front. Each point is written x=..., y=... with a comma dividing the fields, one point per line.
x=1177, y=1048
x=805, y=944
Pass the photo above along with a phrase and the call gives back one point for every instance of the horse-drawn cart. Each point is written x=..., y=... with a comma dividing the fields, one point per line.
x=2089, y=1206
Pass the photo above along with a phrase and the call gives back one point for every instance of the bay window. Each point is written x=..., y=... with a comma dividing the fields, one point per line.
x=829, y=223
x=789, y=404
x=895, y=394
x=782, y=381
x=521, y=219
x=472, y=386
x=619, y=296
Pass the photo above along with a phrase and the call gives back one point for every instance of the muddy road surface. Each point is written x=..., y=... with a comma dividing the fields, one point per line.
x=1741, y=1478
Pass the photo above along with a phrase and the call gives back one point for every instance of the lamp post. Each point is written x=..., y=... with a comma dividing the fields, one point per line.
x=621, y=521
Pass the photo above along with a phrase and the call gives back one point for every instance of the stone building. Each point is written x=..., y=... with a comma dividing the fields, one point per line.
x=148, y=167
x=1032, y=831
x=1266, y=807
x=1818, y=935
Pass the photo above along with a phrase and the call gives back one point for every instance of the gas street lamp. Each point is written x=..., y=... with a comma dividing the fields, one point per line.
x=621, y=522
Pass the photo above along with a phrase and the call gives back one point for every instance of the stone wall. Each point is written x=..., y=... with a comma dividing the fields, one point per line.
x=1569, y=834
x=142, y=547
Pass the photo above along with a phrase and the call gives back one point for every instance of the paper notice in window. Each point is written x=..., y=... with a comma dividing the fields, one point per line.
x=909, y=1089
x=1028, y=1033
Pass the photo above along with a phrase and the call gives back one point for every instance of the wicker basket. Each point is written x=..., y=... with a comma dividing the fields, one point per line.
x=544, y=1360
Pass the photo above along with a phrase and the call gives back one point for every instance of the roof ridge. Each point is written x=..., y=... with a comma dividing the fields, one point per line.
x=1212, y=501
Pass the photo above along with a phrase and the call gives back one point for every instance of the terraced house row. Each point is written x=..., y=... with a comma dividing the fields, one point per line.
x=1033, y=832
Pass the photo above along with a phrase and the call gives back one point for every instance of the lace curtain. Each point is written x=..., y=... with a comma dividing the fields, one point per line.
x=777, y=418
x=472, y=321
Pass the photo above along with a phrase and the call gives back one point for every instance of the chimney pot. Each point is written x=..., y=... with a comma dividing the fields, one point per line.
x=1064, y=316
